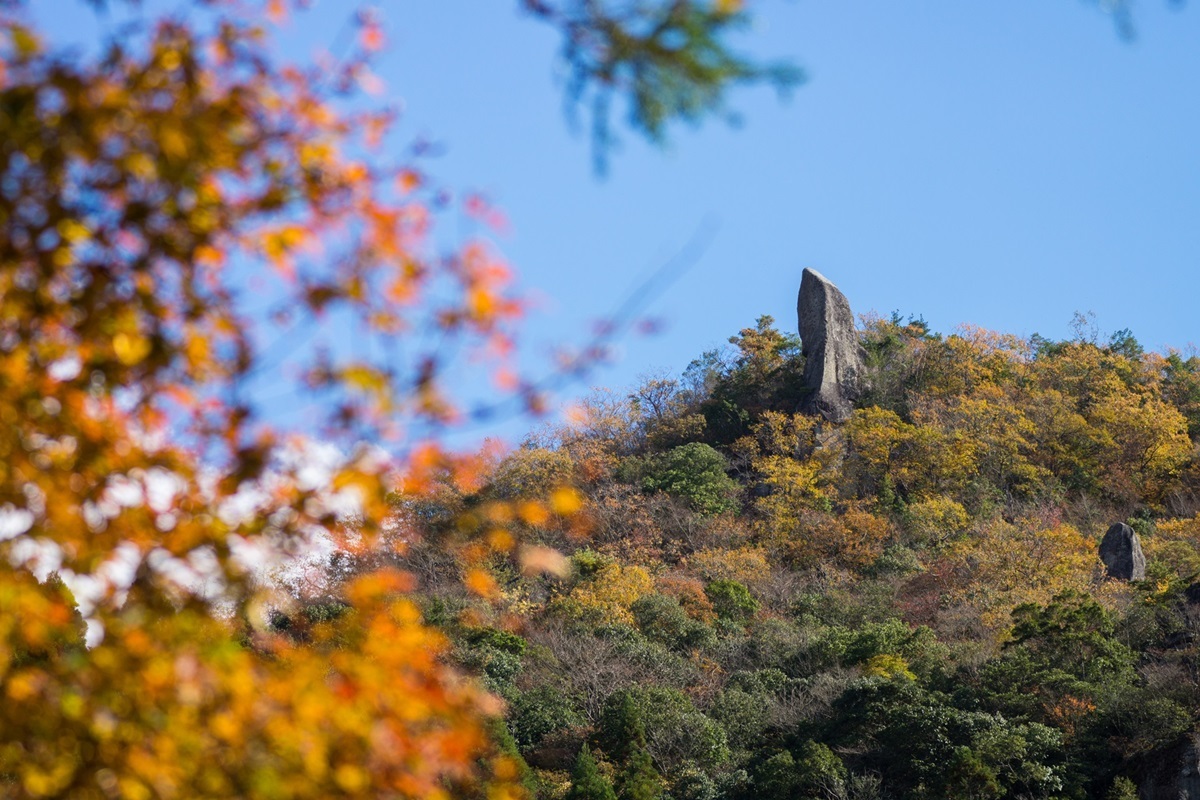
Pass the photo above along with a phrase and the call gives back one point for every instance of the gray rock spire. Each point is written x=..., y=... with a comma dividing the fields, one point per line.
x=833, y=363
x=1121, y=552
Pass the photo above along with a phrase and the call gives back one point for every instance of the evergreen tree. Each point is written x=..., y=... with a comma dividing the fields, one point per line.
x=621, y=726
x=640, y=780
x=623, y=735
x=1122, y=789
x=506, y=746
x=586, y=781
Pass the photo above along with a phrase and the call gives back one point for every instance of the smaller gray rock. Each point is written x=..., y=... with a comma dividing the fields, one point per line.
x=1121, y=552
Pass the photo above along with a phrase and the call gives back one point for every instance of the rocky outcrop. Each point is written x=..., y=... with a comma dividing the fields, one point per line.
x=1121, y=552
x=833, y=363
x=1173, y=774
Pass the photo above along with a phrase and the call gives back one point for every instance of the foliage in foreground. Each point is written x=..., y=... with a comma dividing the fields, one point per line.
x=172, y=201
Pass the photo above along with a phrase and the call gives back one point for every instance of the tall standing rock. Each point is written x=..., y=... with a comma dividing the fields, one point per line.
x=833, y=363
x=1121, y=552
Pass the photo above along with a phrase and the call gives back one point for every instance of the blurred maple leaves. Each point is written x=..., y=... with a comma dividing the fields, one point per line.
x=138, y=190
x=147, y=192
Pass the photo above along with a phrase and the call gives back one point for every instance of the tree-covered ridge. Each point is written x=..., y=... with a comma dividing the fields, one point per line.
x=906, y=605
x=185, y=200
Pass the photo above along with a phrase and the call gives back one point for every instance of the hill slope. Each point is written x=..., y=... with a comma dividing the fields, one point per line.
x=762, y=604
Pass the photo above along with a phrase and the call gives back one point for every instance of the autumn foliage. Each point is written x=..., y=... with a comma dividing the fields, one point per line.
x=685, y=588
x=181, y=209
x=143, y=189
x=908, y=604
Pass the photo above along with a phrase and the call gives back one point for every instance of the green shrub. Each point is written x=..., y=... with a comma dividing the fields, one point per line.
x=1122, y=789
x=922, y=745
x=917, y=646
x=498, y=639
x=675, y=730
x=586, y=563
x=775, y=778
x=661, y=619
x=540, y=712
x=694, y=784
x=742, y=715
x=694, y=473
x=498, y=667
x=731, y=600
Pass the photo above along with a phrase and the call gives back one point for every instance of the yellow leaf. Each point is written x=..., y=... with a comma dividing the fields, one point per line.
x=141, y=166
x=479, y=582
x=566, y=501
x=25, y=40
x=197, y=348
x=131, y=348
x=533, y=512
x=172, y=142
x=350, y=777
x=364, y=379
x=72, y=231
x=23, y=686
x=500, y=540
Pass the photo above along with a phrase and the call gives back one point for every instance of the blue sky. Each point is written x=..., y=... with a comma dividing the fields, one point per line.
x=999, y=163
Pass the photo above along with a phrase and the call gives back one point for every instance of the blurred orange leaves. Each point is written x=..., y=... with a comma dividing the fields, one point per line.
x=141, y=193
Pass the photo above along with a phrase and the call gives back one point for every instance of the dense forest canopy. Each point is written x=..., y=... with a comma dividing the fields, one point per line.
x=762, y=604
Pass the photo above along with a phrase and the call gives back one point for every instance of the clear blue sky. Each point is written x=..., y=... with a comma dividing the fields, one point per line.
x=998, y=163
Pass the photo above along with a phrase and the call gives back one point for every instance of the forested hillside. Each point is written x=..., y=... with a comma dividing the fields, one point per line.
x=754, y=603
x=256, y=284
